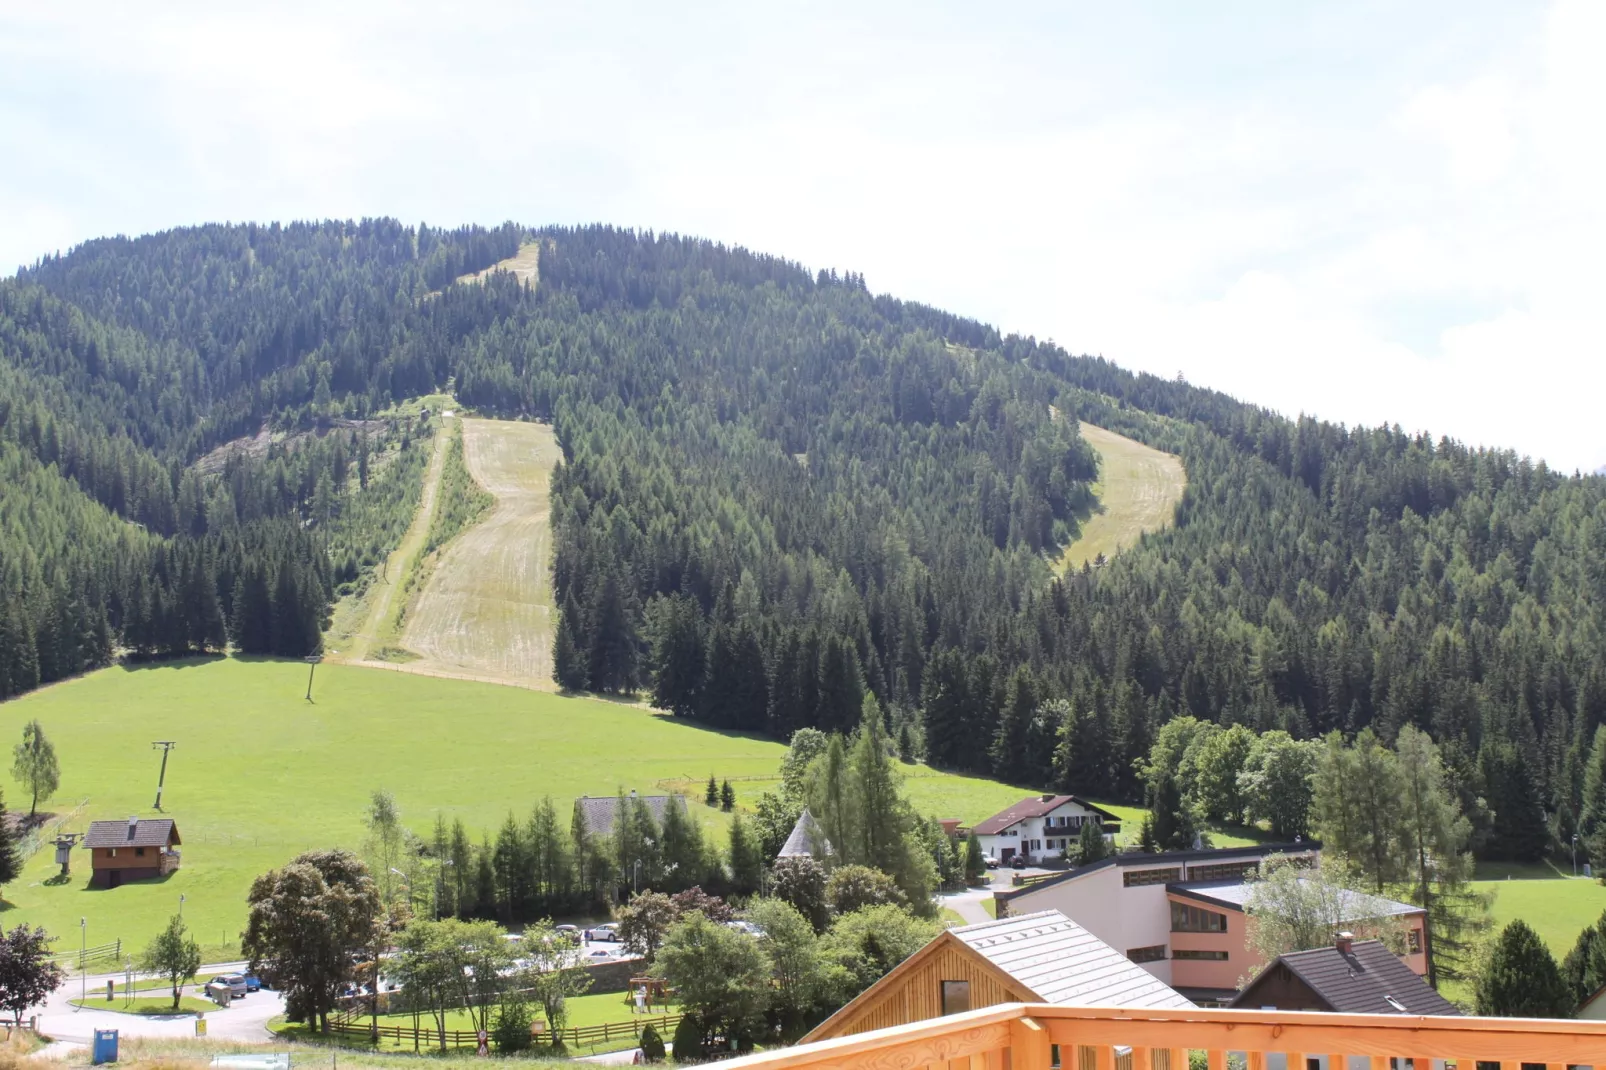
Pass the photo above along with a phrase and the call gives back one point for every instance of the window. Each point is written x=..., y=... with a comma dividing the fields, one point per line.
x=1186, y=919
x=1201, y=956
x=139, y=852
x=955, y=997
x=1137, y=878
x=1226, y=871
x=1413, y=939
x=1156, y=953
x=1054, y=1056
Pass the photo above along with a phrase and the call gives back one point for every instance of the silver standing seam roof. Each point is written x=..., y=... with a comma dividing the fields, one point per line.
x=1064, y=963
x=807, y=839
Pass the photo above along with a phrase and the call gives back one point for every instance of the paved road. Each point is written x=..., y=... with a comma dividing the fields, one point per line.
x=247, y=1019
x=968, y=903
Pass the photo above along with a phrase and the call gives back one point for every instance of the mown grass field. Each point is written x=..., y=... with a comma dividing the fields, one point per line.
x=486, y=610
x=1138, y=491
x=1552, y=901
x=260, y=775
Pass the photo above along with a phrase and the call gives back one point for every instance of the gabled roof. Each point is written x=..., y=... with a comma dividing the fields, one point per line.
x=1369, y=979
x=1035, y=806
x=1063, y=963
x=807, y=839
x=1234, y=895
x=1039, y=958
x=599, y=814
x=135, y=832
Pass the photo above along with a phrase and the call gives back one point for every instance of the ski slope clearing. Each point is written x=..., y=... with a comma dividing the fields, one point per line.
x=525, y=265
x=1138, y=491
x=486, y=610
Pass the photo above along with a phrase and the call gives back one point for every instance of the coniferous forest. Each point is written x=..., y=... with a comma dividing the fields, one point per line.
x=780, y=492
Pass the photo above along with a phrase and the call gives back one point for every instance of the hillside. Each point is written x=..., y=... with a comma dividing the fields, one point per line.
x=248, y=792
x=779, y=490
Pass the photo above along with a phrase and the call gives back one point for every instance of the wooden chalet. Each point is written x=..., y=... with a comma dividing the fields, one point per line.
x=132, y=850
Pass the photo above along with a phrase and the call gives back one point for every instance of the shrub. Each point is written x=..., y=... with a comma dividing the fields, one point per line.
x=689, y=1039
x=652, y=1045
x=511, y=1030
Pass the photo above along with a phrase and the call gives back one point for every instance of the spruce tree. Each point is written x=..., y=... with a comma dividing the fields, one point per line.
x=727, y=797
x=711, y=793
x=1584, y=968
x=1521, y=979
x=746, y=865
x=1433, y=836
x=10, y=863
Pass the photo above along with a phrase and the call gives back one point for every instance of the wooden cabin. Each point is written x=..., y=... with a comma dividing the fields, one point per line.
x=132, y=850
x=1036, y=958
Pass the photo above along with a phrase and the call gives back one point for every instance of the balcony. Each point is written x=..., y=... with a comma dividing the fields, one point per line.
x=1017, y=1036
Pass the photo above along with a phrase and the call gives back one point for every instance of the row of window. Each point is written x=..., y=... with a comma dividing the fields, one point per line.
x=1156, y=953
x=1186, y=919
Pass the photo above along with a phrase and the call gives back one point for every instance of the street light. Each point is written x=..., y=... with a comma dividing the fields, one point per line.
x=83, y=960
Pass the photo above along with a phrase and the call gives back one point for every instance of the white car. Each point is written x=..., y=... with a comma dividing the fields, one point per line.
x=606, y=932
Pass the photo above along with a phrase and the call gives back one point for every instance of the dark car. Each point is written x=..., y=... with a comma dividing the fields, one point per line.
x=253, y=983
x=1018, y=862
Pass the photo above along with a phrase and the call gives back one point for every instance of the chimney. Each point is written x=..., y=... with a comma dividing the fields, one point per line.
x=1049, y=797
x=132, y=823
x=1345, y=942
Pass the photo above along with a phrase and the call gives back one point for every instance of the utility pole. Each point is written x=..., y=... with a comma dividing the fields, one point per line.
x=312, y=667
x=166, y=745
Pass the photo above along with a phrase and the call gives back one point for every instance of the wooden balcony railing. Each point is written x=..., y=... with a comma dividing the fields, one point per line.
x=1017, y=1036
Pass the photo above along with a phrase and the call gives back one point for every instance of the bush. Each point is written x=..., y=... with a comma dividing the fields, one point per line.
x=511, y=1030
x=652, y=1045
x=689, y=1039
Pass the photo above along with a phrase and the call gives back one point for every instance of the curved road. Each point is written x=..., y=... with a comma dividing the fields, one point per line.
x=247, y=1019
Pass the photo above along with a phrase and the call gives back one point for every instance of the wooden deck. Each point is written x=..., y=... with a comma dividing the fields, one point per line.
x=1040, y=1037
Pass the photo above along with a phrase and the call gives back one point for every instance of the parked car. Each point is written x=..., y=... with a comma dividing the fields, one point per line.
x=253, y=983
x=1018, y=862
x=992, y=863
x=571, y=931
x=235, y=981
x=607, y=932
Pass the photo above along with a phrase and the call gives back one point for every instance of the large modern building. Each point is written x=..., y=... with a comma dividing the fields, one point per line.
x=1041, y=826
x=1181, y=914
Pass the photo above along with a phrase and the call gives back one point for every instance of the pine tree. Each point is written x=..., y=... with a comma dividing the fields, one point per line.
x=841, y=685
x=1171, y=821
x=10, y=862
x=1592, y=822
x=1090, y=844
x=568, y=667
x=1008, y=752
x=1521, y=979
x=1433, y=836
x=727, y=797
x=711, y=793
x=611, y=662
x=1518, y=822
x=746, y=865
x=944, y=699
x=1584, y=968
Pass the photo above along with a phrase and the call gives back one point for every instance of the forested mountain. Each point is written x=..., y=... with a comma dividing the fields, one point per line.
x=782, y=490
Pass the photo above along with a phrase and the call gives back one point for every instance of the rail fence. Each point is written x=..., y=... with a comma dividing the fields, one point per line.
x=84, y=958
x=571, y=1036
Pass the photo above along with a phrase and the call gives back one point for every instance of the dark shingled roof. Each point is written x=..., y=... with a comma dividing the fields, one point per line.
x=599, y=814
x=1370, y=979
x=1036, y=806
x=145, y=832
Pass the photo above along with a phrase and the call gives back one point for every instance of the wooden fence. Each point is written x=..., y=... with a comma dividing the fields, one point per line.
x=84, y=958
x=426, y=1036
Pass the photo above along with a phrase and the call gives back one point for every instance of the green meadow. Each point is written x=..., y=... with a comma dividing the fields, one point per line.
x=260, y=774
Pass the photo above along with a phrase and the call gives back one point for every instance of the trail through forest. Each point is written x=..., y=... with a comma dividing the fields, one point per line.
x=1138, y=490
x=486, y=611
x=378, y=622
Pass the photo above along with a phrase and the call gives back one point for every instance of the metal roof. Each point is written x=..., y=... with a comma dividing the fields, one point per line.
x=1235, y=895
x=1064, y=963
x=599, y=813
x=807, y=839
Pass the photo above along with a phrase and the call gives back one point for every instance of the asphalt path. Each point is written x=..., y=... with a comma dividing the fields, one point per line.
x=246, y=1019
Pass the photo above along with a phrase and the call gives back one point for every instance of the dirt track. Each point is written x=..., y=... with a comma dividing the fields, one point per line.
x=486, y=612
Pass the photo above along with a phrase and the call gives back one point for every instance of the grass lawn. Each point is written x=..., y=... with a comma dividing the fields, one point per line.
x=260, y=775
x=151, y=1005
x=1138, y=491
x=1558, y=906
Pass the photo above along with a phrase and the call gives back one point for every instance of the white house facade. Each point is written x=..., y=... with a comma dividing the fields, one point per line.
x=1039, y=827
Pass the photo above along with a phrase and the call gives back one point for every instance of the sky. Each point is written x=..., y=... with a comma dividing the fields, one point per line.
x=1368, y=212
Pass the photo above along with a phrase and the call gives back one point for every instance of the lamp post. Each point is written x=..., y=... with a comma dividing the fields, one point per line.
x=83, y=959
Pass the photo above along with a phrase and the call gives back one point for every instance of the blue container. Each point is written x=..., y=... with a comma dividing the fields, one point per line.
x=105, y=1049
